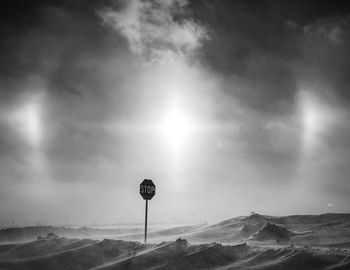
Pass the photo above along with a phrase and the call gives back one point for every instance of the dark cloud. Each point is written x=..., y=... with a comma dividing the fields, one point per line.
x=264, y=48
x=48, y=41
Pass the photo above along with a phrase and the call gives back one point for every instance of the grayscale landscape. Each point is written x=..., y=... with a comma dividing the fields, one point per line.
x=246, y=242
x=174, y=134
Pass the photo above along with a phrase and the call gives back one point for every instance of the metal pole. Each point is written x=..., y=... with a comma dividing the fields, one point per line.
x=146, y=221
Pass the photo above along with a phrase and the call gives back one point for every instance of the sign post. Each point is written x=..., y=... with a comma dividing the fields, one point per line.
x=147, y=191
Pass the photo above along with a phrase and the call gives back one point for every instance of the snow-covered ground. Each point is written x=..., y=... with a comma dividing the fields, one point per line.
x=253, y=242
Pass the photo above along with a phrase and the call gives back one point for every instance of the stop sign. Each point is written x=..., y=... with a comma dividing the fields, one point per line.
x=147, y=189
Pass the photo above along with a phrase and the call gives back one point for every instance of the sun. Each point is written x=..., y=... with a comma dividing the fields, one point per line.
x=176, y=128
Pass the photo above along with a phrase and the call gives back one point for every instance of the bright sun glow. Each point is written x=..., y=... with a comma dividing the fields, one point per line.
x=27, y=118
x=317, y=116
x=311, y=118
x=176, y=128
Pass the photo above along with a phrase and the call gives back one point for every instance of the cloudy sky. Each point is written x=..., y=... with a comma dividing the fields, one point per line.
x=229, y=106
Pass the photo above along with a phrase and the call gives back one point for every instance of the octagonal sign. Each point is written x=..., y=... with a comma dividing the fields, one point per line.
x=147, y=189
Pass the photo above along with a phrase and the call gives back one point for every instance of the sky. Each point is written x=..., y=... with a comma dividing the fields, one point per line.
x=229, y=107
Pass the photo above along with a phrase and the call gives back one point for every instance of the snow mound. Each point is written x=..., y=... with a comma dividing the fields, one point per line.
x=49, y=236
x=249, y=229
x=272, y=232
